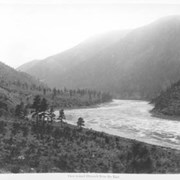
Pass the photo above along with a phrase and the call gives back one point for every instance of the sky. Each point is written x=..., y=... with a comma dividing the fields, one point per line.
x=36, y=29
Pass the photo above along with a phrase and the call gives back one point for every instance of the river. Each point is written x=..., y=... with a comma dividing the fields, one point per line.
x=130, y=119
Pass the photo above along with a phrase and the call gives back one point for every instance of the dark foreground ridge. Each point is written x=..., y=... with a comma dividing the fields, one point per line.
x=40, y=146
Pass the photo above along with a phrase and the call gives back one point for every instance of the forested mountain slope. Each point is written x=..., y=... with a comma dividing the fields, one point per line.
x=16, y=87
x=168, y=102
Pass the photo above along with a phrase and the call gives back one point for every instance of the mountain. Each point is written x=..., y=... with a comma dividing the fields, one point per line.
x=138, y=64
x=16, y=87
x=49, y=69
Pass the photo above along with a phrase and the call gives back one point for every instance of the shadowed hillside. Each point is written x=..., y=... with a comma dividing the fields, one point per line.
x=16, y=87
x=168, y=102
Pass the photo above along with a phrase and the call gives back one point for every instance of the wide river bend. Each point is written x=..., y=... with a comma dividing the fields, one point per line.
x=130, y=119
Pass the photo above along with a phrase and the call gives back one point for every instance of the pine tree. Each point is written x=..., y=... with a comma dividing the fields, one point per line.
x=80, y=122
x=43, y=105
x=37, y=103
x=61, y=116
x=54, y=93
x=52, y=115
x=19, y=111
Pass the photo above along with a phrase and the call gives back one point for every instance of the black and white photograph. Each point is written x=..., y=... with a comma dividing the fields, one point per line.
x=89, y=88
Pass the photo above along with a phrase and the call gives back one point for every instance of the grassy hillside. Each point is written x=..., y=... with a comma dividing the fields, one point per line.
x=44, y=147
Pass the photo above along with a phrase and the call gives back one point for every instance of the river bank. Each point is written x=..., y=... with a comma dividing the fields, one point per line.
x=123, y=139
x=158, y=114
x=96, y=105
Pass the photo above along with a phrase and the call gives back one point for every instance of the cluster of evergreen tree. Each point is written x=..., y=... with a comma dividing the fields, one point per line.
x=80, y=92
x=68, y=98
x=39, y=104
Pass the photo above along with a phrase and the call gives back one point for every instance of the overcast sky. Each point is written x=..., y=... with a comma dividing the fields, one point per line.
x=35, y=29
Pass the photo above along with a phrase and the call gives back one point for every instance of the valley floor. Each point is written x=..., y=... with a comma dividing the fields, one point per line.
x=36, y=147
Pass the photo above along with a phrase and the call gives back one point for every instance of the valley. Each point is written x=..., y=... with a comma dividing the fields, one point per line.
x=105, y=105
